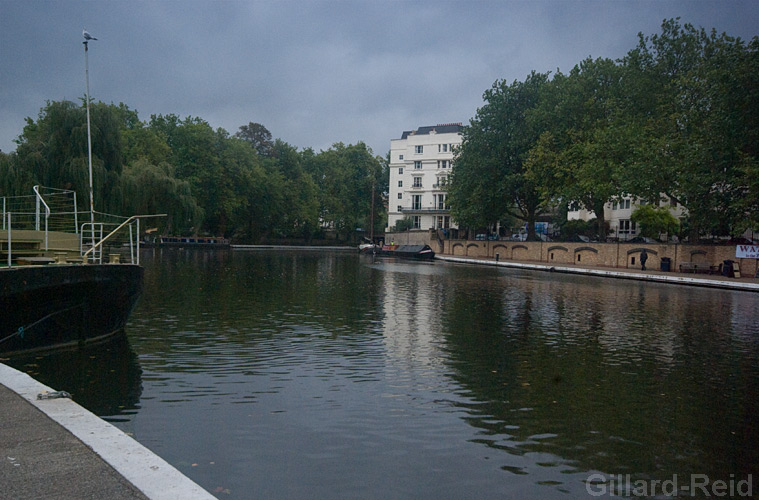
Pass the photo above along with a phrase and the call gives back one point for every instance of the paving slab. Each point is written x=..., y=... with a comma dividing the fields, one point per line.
x=55, y=449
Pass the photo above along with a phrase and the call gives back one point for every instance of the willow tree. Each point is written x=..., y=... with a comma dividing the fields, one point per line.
x=53, y=150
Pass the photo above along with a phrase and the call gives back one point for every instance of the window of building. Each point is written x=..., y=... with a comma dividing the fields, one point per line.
x=417, y=165
x=443, y=163
x=400, y=170
x=440, y=201
x=400, y=196
x=400, y=208
x=627, y=204
x=626, y=227
x=417, y=222
x=614, y=206
x=416, y=202
x=442, y=148
x=418, y=149
x=400, y=157
x=400, y=184
x=443, y=222
x=417, y=182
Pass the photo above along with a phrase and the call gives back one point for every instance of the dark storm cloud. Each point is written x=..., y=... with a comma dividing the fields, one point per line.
x=314, y=72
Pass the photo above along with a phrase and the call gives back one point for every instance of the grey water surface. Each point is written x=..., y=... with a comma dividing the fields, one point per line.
x=295, y=374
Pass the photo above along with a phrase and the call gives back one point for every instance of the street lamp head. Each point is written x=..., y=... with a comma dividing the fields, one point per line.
x=87, y=36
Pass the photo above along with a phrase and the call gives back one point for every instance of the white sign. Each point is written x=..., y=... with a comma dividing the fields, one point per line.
x=747, y=251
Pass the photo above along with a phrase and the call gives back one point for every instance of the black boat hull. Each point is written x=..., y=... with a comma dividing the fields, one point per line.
x=47, y=307
x=417, y=252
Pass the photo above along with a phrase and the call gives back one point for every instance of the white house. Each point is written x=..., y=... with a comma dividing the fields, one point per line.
x=420, y=163
x=618, y=214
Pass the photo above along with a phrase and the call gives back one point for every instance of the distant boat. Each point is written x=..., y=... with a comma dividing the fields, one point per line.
x=193, y=241
x=419, y=252
x=369, y=248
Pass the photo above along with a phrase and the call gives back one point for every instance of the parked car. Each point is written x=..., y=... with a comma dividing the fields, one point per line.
x=641, y=239
x=519, y=237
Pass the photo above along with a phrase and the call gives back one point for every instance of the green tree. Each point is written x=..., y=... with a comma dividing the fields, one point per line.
x=686, y=90
x=345, y=176
x=490, y=179
x=654, y=221
x=258, y=136
x=578, y=158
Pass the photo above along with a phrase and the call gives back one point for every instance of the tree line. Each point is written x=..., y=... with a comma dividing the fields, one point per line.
x=246, y=186
x=676, y=119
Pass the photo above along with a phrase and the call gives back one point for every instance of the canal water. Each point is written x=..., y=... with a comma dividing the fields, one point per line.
x=286, y=374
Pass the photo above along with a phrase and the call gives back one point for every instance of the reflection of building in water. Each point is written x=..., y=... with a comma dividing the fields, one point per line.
x=413, y=309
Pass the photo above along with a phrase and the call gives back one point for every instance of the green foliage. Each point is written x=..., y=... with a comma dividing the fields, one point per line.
x=577, y=158
x=654, y=221
x=691, y=94
x=403, y=224
x=258, y=136
x=347, y=177
x=490, y=180
x=679, y=115
x=208, y=182
x=571, y=230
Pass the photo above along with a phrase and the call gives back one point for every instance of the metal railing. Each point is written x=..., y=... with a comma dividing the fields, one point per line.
x=35, y=226
x=123, y=240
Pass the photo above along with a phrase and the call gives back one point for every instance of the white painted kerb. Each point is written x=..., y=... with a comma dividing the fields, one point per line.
x=149, y=473
x=681, y=280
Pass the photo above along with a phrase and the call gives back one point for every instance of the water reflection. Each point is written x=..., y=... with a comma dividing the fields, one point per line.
x=611, y=376
x=104, y=378
x=329, y=375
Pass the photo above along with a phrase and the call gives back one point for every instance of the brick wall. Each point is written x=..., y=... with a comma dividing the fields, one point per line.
x=615, y=255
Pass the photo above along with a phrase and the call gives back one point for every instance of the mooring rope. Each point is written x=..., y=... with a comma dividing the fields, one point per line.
x=22, y=329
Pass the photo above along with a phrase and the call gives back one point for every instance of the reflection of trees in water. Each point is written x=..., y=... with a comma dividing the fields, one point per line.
x=105, y=378
x=231, y=300
x=612, y=376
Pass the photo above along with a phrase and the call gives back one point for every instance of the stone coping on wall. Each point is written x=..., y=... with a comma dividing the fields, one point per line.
x=652, y=276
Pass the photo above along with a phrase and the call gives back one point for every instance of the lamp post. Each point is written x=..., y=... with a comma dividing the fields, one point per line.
x=87, y=38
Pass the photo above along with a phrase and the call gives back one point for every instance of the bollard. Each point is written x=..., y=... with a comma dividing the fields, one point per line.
x=497, y=257
x=114, y=258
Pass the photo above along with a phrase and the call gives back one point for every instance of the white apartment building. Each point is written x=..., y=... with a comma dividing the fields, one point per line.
x=420, y=163
x=618, y=214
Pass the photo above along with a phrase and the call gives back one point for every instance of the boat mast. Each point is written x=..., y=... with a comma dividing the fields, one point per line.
x=89, y=137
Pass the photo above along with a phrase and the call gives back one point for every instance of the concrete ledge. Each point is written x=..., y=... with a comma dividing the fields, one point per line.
x=630, y=275
x=146, y=471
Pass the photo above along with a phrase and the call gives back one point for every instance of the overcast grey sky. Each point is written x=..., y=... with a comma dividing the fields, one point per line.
x=315, y=72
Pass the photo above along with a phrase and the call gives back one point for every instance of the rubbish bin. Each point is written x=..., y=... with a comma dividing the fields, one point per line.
x=666, y=264
x=727, y=268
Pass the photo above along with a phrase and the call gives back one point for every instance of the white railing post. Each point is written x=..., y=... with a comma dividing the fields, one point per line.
x=76, y=218
x=131, y=245
x=37, y=212
x=138, y=242
x=9, y=239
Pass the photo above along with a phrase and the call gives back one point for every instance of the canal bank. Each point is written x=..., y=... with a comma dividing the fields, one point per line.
x=54, y=448
x=711, y=281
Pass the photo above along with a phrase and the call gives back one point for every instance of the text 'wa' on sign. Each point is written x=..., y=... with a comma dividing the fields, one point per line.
x=747, y=251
